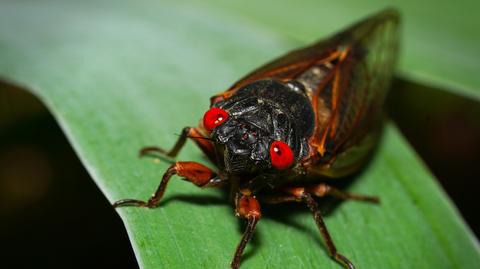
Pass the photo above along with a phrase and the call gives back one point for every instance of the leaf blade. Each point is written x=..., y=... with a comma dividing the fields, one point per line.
x=103, y=87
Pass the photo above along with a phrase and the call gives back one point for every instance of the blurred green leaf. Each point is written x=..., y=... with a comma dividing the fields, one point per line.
x=118, y=76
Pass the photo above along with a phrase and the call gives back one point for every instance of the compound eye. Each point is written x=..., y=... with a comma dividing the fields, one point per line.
x=214, y=117
x=281, y=155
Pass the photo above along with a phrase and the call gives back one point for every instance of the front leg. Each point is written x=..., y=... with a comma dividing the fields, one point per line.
x=247, y=207
x=196, y=173
x=204, y=143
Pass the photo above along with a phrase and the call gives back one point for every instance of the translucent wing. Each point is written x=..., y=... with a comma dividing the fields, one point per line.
x=349, y=98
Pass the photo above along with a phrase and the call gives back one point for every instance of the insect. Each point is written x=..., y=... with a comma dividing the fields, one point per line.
x=284, y=131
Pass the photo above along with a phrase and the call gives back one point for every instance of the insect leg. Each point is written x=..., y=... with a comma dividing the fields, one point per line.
x=247, y=207
x=188, y=132
x=298, y=194
x=196, y=173
x=332, y=250
x=323, y=189
x=278, y=199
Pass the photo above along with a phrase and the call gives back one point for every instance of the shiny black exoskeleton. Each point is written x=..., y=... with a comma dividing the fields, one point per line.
x=260, y=113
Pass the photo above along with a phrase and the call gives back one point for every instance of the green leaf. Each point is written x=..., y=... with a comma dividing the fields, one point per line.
x=119, y=76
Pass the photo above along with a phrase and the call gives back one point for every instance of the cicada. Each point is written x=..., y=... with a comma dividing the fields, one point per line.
x=283, y=131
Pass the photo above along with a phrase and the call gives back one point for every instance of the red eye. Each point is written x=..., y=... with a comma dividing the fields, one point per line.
x=214, y=117
x=281, y=155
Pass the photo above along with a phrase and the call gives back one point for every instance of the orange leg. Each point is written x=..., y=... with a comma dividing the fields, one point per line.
x=204, y=143
x=246, y=207
x=317, y=216
x=196, y=173
x=323, y=189
x=304, y=194
x=319, y=190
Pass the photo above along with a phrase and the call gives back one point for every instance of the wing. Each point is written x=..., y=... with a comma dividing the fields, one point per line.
x=349, y=98
x=346, y=78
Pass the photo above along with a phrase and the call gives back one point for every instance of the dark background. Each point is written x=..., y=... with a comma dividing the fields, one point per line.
x=41, y=178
